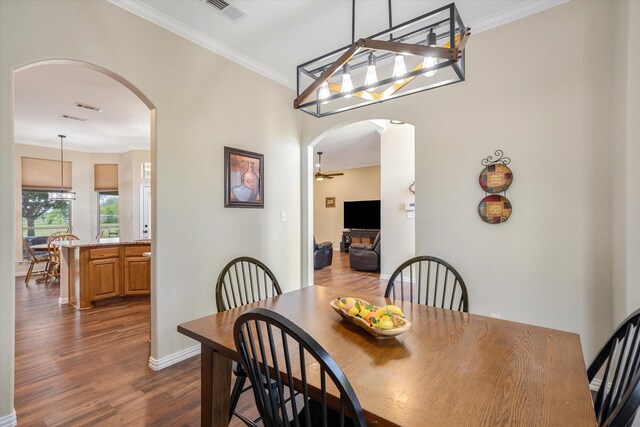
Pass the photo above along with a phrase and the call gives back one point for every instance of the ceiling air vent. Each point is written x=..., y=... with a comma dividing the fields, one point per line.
x=228, y=10
x=79, y=119
x=88, y=107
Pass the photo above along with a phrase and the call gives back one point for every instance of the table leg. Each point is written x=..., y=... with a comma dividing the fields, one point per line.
x=215, y=371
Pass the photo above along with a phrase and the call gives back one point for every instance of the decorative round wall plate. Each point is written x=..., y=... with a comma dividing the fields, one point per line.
x=494, y=209
x=496, y=178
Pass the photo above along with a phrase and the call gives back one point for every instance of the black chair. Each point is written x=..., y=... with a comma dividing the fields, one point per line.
x=618, y=396
x=322, y=254
x=242, y=281
x=365, y=256
x=273, y=347
x=431, y=281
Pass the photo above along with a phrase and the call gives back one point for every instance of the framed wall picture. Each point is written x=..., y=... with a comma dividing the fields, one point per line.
x=243, y=179
x=329, y=202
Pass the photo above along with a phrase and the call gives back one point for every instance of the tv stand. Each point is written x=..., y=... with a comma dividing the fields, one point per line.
x=356, y=236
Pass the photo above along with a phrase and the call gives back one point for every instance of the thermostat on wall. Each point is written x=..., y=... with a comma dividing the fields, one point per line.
x=410, y=206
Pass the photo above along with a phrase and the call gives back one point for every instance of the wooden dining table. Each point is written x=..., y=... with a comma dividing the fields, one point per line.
x=449, y=369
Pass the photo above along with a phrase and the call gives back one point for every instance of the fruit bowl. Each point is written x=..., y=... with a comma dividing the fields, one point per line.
x=400, y=324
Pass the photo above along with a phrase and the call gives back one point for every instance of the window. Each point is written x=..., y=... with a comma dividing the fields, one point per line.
x=42, y=217
x=108, y=214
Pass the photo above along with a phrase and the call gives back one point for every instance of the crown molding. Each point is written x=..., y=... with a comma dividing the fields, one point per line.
x=81, y=149
x=168, y=23
x=513, y=14
x=150, y=14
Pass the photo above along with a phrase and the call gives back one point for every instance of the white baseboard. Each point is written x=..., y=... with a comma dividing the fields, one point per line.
x=63, y=300
x=595, y=384
x=172, y=359
x=385, y=276
x=10, y=420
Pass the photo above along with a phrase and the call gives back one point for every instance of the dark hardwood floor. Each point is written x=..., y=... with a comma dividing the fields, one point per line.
x=90, y=368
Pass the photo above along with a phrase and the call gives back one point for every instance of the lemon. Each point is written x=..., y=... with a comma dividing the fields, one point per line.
x=353, y=311
x=340, y=303
x=385, y=323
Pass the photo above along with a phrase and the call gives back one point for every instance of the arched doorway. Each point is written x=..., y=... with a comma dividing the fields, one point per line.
x=87, y=218
x=395, y=162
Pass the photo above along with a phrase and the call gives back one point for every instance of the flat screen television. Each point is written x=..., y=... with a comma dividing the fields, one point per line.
x=363, y=214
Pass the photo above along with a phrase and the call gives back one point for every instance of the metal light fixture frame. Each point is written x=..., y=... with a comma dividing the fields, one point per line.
x=452, y=55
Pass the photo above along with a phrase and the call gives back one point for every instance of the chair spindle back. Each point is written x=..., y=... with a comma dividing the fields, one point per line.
x=431, y=281
x=245, y=280
x=274, y=348
x=618, y=363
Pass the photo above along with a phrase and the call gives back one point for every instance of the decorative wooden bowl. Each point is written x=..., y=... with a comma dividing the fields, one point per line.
x=400, y=325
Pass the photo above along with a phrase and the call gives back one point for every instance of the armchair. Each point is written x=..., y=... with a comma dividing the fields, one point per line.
x=365, y=256
x=322, y=254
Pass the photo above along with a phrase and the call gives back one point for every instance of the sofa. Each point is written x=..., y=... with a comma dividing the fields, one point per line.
x=322, y=254
x=365, y=256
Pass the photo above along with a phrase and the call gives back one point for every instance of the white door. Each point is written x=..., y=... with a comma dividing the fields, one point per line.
x=145, y=212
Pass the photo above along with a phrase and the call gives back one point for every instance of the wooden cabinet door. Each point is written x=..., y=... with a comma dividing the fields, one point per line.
x=104, y=276
x=137, y=275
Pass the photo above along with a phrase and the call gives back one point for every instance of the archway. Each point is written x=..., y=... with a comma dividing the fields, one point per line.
x=394, y=219
x=149, y=122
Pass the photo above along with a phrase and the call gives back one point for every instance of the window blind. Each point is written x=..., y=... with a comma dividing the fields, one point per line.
x=105, y=177
x=44, y=174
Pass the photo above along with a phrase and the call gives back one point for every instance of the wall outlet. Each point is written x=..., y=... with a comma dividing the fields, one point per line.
x=283, y=216
x=496, y=316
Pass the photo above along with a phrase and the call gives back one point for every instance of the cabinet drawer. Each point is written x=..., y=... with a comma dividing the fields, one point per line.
x=102, y=253
x=136, y=250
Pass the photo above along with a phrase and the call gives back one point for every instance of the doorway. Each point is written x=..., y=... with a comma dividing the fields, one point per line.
x=377, y=161
x=63, y=97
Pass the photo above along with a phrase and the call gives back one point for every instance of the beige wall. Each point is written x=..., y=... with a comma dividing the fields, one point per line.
x=200, y=106
x=397, y=172
x=626, y=159
x=550, y=110
x=356, y=184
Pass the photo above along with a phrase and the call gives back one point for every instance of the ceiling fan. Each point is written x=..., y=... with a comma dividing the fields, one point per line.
x=321, y=176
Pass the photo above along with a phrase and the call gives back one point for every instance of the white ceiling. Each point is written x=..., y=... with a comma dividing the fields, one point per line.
x=277, y=35
x=44, y=93
x=351, y=146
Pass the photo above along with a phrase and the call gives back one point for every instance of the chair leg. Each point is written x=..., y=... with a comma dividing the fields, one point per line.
x=26, y=279
x=235, y=394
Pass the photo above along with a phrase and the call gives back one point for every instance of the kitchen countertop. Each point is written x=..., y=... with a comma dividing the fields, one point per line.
x=113, y=241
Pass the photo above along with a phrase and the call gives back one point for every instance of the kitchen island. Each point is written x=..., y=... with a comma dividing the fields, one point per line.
x=103, y=270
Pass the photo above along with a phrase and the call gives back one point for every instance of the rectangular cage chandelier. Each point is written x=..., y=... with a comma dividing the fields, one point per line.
x=423, y=53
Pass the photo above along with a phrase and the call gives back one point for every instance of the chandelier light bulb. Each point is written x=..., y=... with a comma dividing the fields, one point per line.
x=399, y=68
x=372, y=77
x=347, y=84
x=430, y=61
x=323, y=92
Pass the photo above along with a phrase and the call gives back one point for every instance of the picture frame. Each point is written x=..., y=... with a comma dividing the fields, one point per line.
x=329, y=202
x=243, y=179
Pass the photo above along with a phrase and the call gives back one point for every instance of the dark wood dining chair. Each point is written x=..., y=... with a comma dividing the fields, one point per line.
x=54, y=254
x=616, y=369
x=273, y=347
x=430, y=281
x=35, y=259
x=242, y=281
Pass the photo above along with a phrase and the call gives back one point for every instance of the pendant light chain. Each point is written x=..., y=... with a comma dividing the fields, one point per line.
x=390, y=22
x=62, y=162
x=353, y=21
